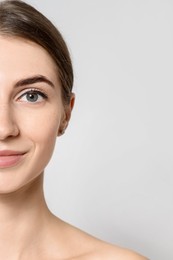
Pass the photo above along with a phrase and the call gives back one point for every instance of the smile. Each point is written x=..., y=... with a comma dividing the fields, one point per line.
x=10, y=158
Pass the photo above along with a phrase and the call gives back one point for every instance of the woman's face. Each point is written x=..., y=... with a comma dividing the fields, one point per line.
x=31, y=111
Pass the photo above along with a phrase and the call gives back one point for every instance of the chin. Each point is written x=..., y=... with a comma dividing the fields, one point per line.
x=14, y=185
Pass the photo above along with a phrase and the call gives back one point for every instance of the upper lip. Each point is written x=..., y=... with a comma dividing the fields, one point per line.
x=10, y=152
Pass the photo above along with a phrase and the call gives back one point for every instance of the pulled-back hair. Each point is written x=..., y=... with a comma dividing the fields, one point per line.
x=18, y=19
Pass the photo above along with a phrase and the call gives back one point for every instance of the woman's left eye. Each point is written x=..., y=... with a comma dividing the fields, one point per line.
x=33, y=96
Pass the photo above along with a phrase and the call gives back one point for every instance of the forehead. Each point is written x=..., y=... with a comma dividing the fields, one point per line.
x=20, y=57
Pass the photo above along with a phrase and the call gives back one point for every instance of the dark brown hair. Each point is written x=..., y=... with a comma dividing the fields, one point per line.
x=18, y=19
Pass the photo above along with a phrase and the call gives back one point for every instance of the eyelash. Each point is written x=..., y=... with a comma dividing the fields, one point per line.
x=34, y=91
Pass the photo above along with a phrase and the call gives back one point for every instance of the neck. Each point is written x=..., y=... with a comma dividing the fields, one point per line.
x=22, y=215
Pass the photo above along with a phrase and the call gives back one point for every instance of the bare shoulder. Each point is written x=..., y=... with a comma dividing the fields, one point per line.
x=110, y=252
x=115, y=252
x=78, y=245
x=95, y=249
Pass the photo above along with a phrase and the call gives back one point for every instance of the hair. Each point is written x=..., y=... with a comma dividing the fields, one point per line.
x=18, y=19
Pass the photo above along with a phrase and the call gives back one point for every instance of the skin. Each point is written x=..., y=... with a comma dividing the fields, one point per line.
x=28, y=230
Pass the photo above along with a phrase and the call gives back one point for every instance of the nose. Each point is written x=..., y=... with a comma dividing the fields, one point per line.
x=8, y=126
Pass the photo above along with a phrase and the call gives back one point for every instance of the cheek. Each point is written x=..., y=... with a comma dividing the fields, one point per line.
x=40, y=128
x=41, y=134
x=39, y=120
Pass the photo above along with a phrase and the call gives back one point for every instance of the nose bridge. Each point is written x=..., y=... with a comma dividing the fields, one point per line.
x=7, y=121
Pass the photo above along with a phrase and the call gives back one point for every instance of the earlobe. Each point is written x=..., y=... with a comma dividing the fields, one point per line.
x=61, y=132
x=64, y=123
x=66, y=115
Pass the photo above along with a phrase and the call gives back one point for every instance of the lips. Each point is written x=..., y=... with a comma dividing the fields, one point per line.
x=9, y=158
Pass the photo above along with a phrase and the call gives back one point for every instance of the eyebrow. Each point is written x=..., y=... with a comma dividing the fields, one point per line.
x=33, y=80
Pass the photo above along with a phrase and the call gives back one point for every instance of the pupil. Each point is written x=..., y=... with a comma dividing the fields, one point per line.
x=32, y=97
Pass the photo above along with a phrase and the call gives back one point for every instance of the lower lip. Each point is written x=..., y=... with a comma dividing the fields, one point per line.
x=10, y=160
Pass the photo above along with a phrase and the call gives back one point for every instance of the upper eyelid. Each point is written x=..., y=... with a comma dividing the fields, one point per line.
x=27, y=90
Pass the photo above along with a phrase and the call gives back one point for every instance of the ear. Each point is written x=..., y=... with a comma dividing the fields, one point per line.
x=66, y=115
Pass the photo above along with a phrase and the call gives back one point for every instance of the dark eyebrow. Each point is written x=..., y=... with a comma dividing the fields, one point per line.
x=33, y=80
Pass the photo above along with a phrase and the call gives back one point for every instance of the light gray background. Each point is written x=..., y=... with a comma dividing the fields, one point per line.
x=111, y=174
